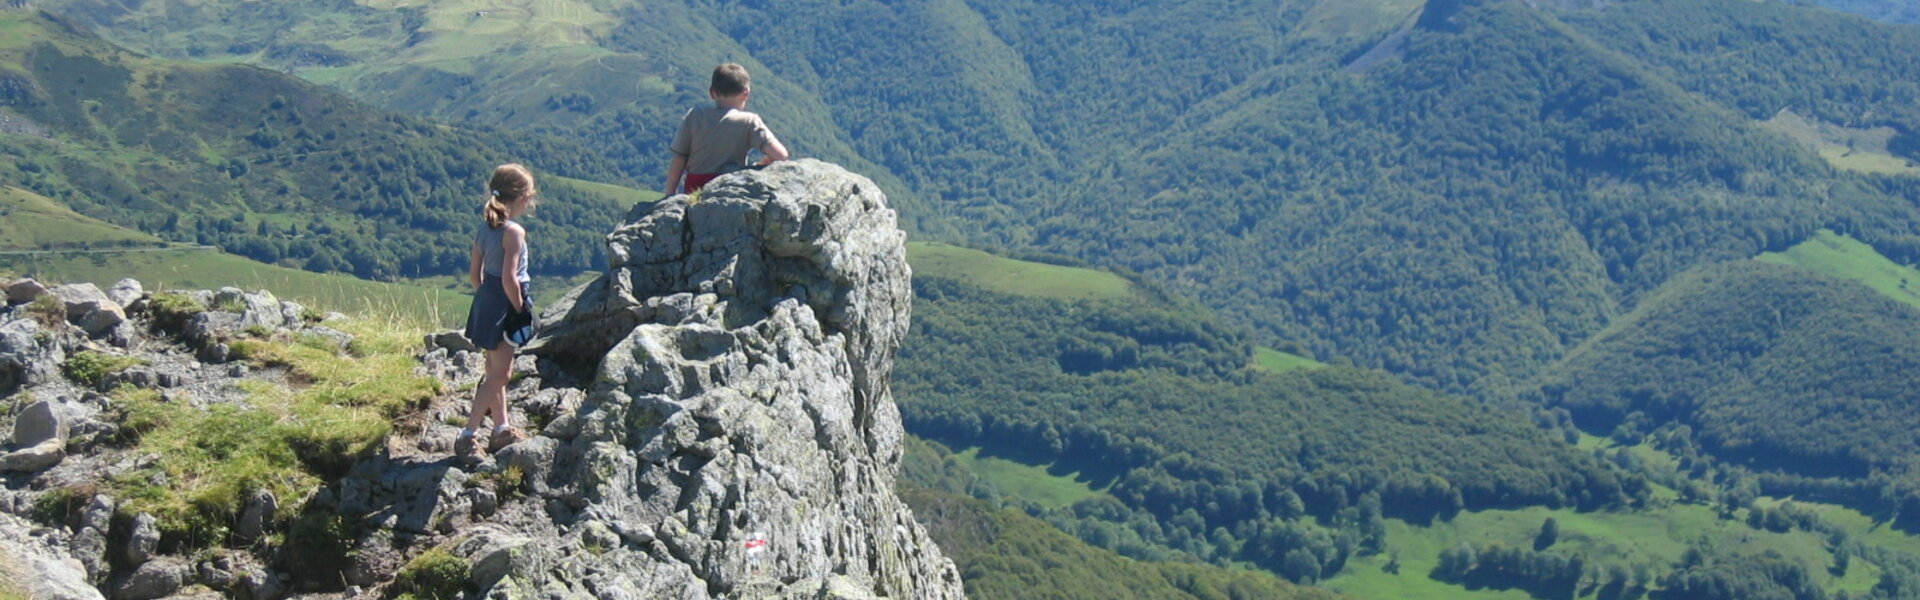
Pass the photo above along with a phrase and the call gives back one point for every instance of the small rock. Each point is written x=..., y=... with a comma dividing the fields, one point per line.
x=261, y=585
x=484, y=501
x=598, y=535
x=634, y=533
x=40, y=422
x=126, y=292
x=34, y=458
x=338, y=340
x=156, y=579
x=260, y=510
x=144, y=539
x=332, y=316
x=89, y=546
x=237, y=370
x=169, y=379
x=24, y=291
x=533, y=456
x=451, y=340
x=213, y=576
x=99, y=513
x=103, y=320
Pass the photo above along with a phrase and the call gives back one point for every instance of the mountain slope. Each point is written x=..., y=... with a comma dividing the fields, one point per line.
x=1772, y=367
x=262, y=164
x=1495, y=184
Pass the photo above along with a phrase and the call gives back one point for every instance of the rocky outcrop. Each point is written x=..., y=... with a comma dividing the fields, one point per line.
x=713, y=419
x=739, y=438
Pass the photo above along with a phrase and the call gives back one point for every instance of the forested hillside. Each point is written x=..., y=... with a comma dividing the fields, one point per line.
x=1453, y=203
x=1490, y=186
x=1792, y=374
x=1202, y=455
x=267, y=166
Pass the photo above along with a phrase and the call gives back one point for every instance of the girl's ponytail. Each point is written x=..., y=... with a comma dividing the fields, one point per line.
x=496, y=211
x=510, y=184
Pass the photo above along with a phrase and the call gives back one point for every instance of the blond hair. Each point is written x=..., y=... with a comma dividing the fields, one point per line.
x=511, y=183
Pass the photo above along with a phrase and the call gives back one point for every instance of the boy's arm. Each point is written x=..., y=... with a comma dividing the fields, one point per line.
x=773, y=151
x=674, y=171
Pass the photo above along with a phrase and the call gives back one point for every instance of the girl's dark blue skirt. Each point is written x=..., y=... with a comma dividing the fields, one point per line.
x=490, y=307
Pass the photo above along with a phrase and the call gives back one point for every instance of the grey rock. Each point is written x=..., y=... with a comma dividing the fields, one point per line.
x=41, y=571
x=259, y=512
x=215, y=576
x=743, y=346
x=155, y=579
x=534, y=457
x=126, y=292
x=38, y=457
x=496, y=555
x=261, y=585
x=24, y=291
x=99, y=513
x=484, y=502
x=143, y=539
x=103, y=321
x=39, y=422
x=89, y=546
x=326, y=337
x=454, y=340
x=89, y=307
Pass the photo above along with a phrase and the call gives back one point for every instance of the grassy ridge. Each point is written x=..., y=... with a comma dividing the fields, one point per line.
x=1017, y=277
x=1281, y=362
x=1837, y=255
x=207, y=269
x=1036, y=483
x=31, y=221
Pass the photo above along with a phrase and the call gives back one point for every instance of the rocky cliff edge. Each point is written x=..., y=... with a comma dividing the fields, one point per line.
x=712, y=416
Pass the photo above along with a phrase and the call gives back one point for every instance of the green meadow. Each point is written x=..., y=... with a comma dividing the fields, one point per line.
x=29, y=221
x=1281, y=362
x=1837, y=255
x=1034, y=483
x=1019, y=277
x=210, y=269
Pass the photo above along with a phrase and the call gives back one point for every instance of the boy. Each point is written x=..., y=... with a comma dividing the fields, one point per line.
x=716, y=140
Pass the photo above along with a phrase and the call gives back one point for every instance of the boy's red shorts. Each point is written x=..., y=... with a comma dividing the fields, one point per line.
x=695, y=181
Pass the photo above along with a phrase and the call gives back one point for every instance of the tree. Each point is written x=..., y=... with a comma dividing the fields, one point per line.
x=1549, y=533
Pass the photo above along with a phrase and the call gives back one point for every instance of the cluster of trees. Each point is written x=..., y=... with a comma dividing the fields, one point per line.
x=1541, y=574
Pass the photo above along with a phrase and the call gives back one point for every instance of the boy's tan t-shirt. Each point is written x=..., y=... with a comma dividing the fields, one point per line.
x=713, y=137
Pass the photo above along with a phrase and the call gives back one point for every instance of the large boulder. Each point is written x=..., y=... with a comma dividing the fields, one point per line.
x=740, y=415
x=24, y=291
x=90, y=308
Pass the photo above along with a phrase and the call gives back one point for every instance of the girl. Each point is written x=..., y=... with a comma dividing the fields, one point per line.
x=499, y=274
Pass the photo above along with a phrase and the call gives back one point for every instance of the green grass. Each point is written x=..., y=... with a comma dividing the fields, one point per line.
x=28, y=220
x=286, y=440
x=1840, y=256
x=1029, y=482
x=206, y=269
x=626, y=196
x=1657, y=537
x=1848, y=148
x=1281, y=362
x=1018, y=277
